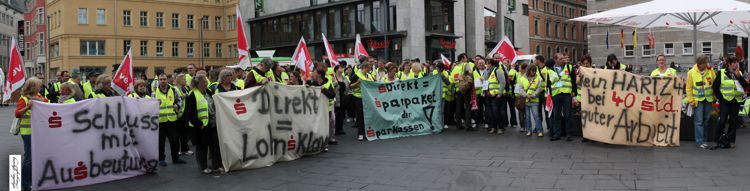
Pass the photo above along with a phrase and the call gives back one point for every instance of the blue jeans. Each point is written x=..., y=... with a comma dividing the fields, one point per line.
x=700, y=120
x=26, y=162
x=563, y=108
x=532, y=113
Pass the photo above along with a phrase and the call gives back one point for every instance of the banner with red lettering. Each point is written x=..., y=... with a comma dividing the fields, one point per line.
x=93, y=141
x=618, y=107
x=263, y=125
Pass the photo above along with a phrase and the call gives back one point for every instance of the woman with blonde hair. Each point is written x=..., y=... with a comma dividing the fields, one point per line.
x=29, y=92
x=70, y=93
x=103, y=87
x=141, y=91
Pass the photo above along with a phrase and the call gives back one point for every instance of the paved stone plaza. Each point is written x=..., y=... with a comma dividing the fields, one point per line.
x=458, y=160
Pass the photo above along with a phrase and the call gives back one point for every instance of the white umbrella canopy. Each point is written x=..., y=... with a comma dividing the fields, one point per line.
x=697, y=15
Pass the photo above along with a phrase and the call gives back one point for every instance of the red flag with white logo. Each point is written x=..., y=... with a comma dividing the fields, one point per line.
x=359, y=49
x=446, y=61
x=548, y=105
x=505, y=50
x=301, y=59
x=123, y=81
x=16, y=75
x=329, y=51
x=242, y=46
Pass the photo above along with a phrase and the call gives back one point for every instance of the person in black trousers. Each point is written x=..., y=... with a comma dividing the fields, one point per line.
x=206, y=138
x=730, y=99
x=341, y=83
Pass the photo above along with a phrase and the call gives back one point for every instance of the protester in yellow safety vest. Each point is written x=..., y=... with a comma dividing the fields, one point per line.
x=257, y=76
x=613, y=64
x=700, y=96
x=141, y=91
x=662, y=70
x=340, y=86
x=532, y=85
x=508, y=100
x=416, y=71
x=189, y=76
x=198, y=112
x=447, y=92
x=562, y=81
x=479, y=80
x=463, y=99
x=294, y=78
x=225, y=82
x=239, y=74
x=88, y=87
x=69, y=93
x=103, y=87
x=168, y=108
x=320, y=80
x=29, y=92
x=363, y=74
x=405, y=71
x=729, y=90
x=182, y=89
x=496, y=83
x=391, y=75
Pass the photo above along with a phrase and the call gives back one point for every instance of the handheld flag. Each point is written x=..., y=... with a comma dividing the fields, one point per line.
x=301, y=59
x=242, y=46
x=548, y=105
x=446, y=61
x=16, y=75
x=505, y=50
x=359, y=49
x=329, y=51
x=123, y=81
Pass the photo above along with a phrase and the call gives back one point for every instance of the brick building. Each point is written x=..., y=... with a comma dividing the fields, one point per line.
x=550, y=30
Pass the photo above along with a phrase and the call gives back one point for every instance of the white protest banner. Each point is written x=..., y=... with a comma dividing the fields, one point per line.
x=93, y=141
x=618, y=107
x=262, y=125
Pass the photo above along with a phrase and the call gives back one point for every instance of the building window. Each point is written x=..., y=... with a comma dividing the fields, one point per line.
x=217, y=22
x=538, y=49
x=160, y=19
x=706, y=47
x=360, y=25
x=231, y=22
x=190, y=50
x=175, y=20
x=125, y=47
x=83, y=16
x=629, y=51
x=647, y=51
x=159, y=48
x=144, y=48
x=377, y=17
x=549, y=51
x=490, y=25
x=536, y=27
x=565, y=31
x=557, y=29
x=347, y=25
x=144, y=18
x=525, y=9
x=204, y=22
x=510, y=28
x=40, y=41
x=547, y=28
x=440, y=16
x=573, y=32
x=206, y=49
x=218, y=50
x=175, y=49
x=687, y=48
x=126, y=18
x=392, y=15
x=92, y=48
x=101, y=17
x=190, y=21
x=39, y=15
x=668, y=49
x=55, y=50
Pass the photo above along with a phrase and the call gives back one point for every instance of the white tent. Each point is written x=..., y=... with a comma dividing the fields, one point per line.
x=688, y=14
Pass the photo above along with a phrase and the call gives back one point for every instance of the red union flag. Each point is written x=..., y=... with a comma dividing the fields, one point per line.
x=329, y=51
x=123, y=81
x=359, y=49
x=16, y=75
x=242, y=46
x=301, y=59
x=446, y=61
x=504, y=50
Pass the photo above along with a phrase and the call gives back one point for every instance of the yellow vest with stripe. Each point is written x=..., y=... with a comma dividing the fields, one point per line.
x=413, y=75
x=97, y=95
x=258, y=77
x=201, y=106
x=447, y=93
x=561, y=83
x=239, y=83
x=493, y=83
x=166, y=108
x=477, y=89
x=70, y=100
x=135, y=95
x=702, y=82
x=458, y=70
x=356, y=92
x=87, y=89
x=669, y=73
x=511, y=77
x=532, y=87
x=188, y=77
x=25, y=120
x=729, y=89
x=329, y=85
